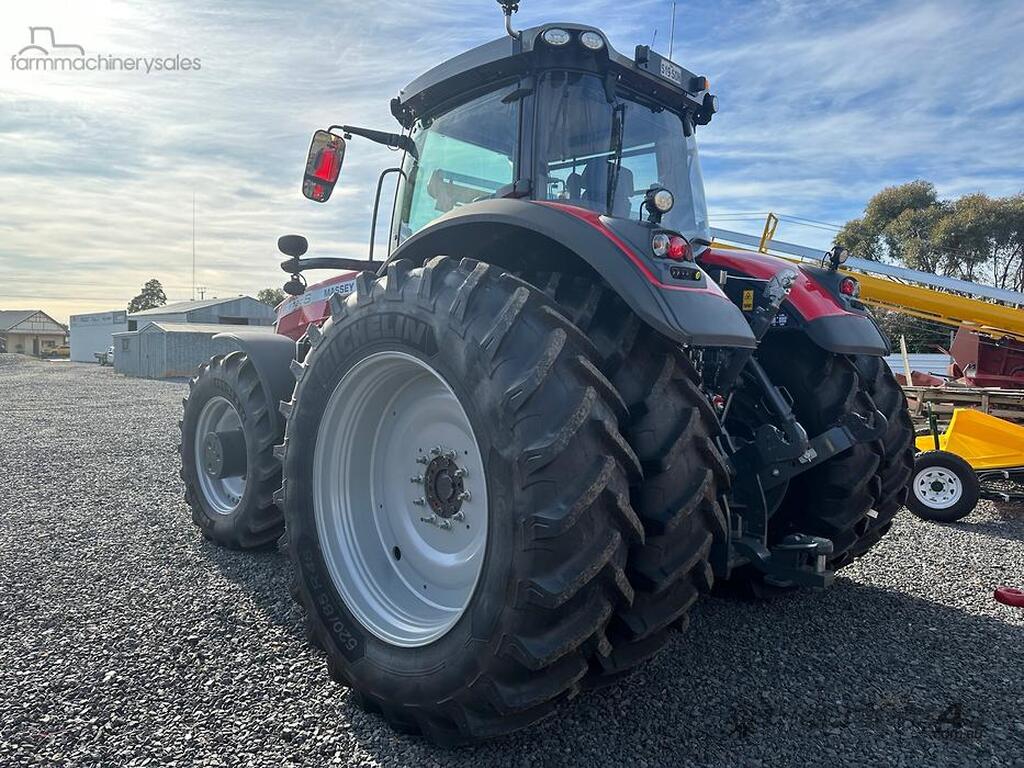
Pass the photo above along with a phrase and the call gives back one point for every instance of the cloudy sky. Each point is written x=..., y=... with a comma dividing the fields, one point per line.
x=823, y=102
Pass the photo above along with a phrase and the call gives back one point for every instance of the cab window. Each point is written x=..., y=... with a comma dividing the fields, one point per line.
x=466, y=154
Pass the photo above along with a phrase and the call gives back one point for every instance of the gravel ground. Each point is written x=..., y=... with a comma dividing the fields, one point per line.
x=125, y=639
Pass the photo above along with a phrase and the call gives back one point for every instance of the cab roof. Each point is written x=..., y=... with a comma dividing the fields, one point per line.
x=508, y=58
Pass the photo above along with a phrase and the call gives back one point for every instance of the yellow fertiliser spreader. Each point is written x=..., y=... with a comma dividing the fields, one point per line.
x=977, y=457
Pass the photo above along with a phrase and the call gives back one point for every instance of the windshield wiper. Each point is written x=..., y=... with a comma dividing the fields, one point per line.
x=615, y=148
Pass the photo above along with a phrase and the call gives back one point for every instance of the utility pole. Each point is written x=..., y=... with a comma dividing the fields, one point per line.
x=672, y=31
x=193, y=245
x=202, y=292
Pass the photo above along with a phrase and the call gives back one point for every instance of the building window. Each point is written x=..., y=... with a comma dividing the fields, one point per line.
x=124, y=345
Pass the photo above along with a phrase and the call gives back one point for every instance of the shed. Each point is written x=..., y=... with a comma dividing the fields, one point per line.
x=30, y=332
x=94, y=333
x=236, y=310
x=164, y=350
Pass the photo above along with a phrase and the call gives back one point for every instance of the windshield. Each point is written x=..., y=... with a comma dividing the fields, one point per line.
x=466, y=154
x=605, y=155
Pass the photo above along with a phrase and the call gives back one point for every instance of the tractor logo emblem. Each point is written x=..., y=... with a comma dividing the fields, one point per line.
x=43, y=40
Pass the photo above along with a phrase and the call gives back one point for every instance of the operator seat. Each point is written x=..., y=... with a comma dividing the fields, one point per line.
x=591, y=187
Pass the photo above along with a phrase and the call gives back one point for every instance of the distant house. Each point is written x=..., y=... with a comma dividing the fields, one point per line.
x=30, y=332
x=237, y=310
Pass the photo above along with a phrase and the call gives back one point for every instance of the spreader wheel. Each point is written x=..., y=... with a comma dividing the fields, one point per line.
x=944, y=487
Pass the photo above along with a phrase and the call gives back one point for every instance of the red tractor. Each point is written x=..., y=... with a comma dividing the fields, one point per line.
x=507, y=460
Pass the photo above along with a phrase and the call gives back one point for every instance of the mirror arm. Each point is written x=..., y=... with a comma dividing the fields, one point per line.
x=394, y=140
x=296, y=266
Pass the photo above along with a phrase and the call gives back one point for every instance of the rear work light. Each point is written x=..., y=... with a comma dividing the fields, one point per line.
x=849, y=287
x=672, y=247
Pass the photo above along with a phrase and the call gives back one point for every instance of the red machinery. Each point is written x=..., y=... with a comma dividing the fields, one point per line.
x=985, y=361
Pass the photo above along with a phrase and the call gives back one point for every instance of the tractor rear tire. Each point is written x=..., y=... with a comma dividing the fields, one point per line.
x=672, y=428
x=545, y=476
x=896, y=448
x=237, y=512
x=834, y=499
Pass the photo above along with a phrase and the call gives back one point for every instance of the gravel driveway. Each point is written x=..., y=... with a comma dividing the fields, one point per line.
x=126, y=639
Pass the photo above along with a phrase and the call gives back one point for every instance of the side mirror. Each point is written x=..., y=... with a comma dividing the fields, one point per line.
x=326, y=153
x=292, y=245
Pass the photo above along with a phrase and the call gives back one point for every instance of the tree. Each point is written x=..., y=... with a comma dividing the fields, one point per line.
x=152, y=296
x=271, y=296
x=975, y=237
x=921, y=335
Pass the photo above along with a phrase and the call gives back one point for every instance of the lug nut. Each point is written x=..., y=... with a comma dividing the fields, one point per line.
x=419, y=502
x=460, y=472
x=439, y=522
x=416, y=479
x=422, y=460
x=465, y=496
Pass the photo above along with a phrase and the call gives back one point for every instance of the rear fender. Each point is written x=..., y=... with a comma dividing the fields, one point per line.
x=675, y=298
x=271, y=355
x=845, y=328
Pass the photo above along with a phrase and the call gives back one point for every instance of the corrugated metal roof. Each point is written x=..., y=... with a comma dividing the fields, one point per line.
x=935, y=364
x=187, y=306
x=11, y=317
x=205, y=327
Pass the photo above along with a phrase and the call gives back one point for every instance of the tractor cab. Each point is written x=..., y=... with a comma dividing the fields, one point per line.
x=573, y=122
x=551, y=114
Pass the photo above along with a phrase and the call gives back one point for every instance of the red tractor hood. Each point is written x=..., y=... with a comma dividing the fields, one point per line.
x=808, y=298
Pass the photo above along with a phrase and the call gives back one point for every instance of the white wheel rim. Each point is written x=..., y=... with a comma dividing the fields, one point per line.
x=937, y=487
x=406, y=570
x=222, y=495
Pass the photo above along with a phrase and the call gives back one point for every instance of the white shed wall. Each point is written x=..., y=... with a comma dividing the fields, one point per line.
x=94, y=333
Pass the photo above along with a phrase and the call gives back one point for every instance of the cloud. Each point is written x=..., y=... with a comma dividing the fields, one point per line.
x=822, y=104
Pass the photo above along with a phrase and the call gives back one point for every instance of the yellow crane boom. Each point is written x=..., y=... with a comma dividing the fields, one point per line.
x=919, y=294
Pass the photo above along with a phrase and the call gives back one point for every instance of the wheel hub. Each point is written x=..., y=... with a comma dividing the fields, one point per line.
x=937, y=488
x=219, y=455
x=443, y=487
x=224, y=454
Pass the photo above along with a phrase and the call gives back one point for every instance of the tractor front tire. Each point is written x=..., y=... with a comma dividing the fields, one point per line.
x=457, y=499
x=237, y=510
